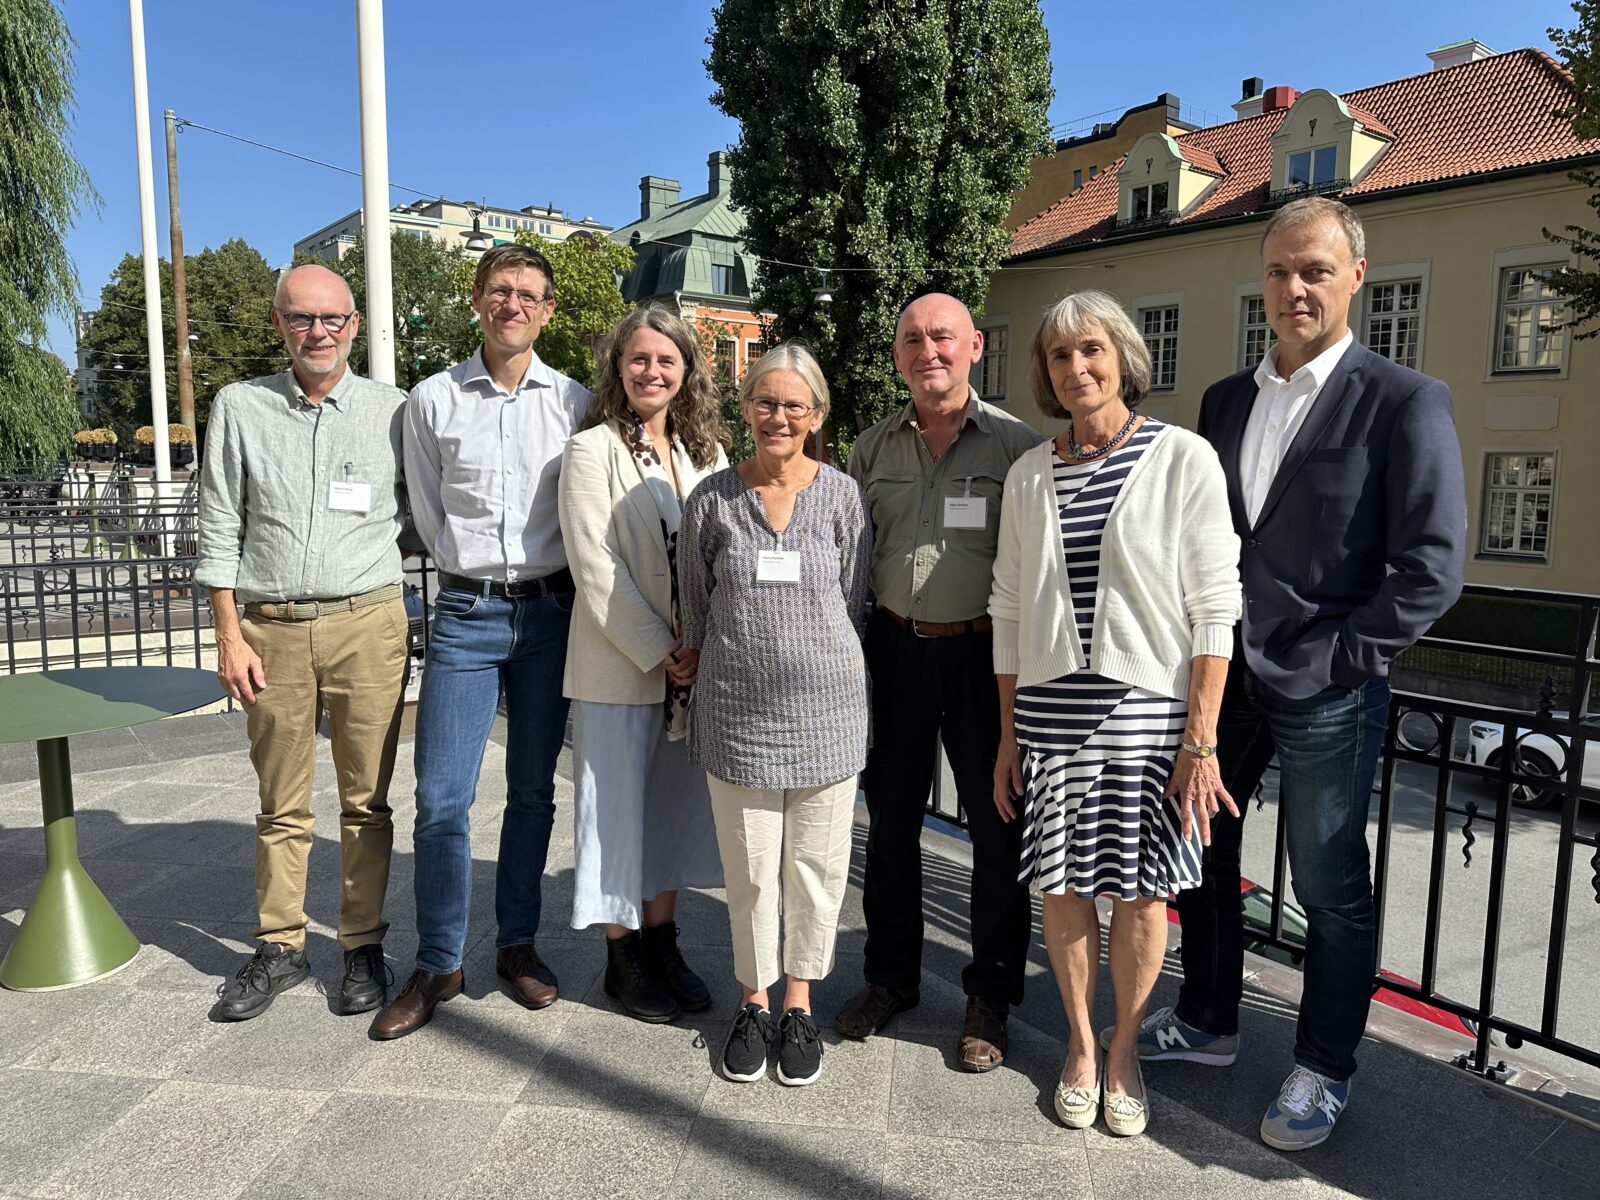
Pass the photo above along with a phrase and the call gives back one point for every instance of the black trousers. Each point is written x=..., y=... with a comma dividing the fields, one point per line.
x=924, y=690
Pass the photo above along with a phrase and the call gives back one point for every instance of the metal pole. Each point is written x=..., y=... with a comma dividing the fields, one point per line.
x=180, y=286
x=152, y=261
x=379, y=316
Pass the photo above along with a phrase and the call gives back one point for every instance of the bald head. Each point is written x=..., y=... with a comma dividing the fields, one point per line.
x=297, y=284
x=935, y=345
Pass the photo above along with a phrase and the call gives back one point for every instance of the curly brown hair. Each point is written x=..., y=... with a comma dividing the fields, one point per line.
x=695, y=412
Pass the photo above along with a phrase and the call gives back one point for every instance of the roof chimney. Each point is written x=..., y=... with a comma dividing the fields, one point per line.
x=720, y=174
x=1249, y=102
x=1276, y=98
x=656, y=195
x=1456, y=53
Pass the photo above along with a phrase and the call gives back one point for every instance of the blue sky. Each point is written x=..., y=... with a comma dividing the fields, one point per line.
x=572, y=103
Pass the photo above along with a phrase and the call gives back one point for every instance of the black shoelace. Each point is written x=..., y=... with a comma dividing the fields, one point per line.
x=799, y=1027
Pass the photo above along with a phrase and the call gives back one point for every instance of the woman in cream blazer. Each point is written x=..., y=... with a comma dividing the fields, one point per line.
x=643, y=826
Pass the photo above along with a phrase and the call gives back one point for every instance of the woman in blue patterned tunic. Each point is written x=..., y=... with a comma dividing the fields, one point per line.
x=1116, y=589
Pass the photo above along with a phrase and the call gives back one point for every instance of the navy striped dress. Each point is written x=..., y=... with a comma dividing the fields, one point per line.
x=1097, y=754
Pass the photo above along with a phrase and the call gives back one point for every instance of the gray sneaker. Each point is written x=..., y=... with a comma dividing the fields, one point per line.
x=1164, y=1038
x=1304, y=1113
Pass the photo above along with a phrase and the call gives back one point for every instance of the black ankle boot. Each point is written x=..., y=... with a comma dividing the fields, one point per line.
x=662, y=956
x=631, y=983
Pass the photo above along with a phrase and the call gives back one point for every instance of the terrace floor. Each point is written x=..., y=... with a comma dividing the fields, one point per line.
x=127, y=1088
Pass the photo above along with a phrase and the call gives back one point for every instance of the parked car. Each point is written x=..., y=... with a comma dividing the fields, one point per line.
x=1258, y=928
x=1538, y=754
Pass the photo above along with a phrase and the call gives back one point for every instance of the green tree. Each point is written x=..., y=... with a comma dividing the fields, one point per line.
x=1579, y=49
x=42, y=187
x=884, y=140
x=434, y=325
x=230, y=304
x=588, y=302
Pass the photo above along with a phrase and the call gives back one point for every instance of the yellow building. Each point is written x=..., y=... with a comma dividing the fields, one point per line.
x=451, y=222
x=1454, y=174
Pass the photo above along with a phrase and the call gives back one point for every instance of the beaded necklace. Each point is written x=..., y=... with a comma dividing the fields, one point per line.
x=1084, y=455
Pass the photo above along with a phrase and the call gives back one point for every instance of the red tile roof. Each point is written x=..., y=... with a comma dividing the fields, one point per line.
x=1479, y=117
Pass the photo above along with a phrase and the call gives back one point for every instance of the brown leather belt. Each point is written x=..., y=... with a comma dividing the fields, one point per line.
x=934, y=629
x=556, y=583
x=310, y=610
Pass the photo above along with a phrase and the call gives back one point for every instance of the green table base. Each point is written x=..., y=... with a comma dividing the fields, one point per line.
x=71, y=935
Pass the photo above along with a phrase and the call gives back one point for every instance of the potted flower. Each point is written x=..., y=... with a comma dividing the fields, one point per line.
x=180, y=445
x=102, y=444
x=83, y=443
x=144, y=442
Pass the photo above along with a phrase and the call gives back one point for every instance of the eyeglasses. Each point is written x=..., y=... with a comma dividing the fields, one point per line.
x=301, y=322
x=794, y=410
x=503, y=295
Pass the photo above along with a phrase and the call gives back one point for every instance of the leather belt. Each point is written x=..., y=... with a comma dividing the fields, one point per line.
x=555, y=583
x=936, y=629
x=310, y=610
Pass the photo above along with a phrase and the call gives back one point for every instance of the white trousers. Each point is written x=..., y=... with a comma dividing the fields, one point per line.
x=785, y=855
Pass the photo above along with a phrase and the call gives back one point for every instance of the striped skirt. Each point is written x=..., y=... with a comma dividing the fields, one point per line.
x=1096, y=757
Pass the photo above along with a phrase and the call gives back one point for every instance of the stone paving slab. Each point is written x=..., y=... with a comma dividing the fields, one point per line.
x=130, y=1088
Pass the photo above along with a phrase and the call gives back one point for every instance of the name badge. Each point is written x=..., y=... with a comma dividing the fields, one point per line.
x=778, y=566
x=966, y=512
x=349, y=497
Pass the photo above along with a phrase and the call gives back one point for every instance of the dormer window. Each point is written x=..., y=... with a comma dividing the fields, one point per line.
x=1148, y=201
x=1313, y=168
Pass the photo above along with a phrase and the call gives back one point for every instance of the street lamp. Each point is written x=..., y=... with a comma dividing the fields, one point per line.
x=477, y=241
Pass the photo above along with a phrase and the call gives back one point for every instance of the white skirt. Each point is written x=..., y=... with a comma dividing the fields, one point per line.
x=642, y=814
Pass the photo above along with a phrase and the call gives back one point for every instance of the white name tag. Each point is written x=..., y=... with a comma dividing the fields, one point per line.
x=778, y=566
x=349, y=497
x=966, y=512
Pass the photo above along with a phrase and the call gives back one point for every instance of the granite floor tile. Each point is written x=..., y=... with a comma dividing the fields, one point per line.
x=296, y=1045
x=932, y=1096
x=574, y=1154
x=66, y=1113
x=857, y=1078
x=30, y=1019
x=736, y=1159
x=363, y=1147
x=1574, y=1148
x=147, y=1035
x=609, y=1061
x=187, y=1139
x=926, y=1168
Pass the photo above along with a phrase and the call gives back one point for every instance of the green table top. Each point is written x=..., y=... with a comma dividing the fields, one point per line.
x=64, y=703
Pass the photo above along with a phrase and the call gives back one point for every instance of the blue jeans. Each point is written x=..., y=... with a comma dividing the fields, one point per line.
x=1327, y=748
x=480, y=645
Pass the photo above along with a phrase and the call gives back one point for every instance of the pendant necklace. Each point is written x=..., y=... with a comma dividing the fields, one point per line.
x=1079, y=452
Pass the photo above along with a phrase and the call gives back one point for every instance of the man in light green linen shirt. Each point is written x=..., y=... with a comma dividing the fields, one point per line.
x=933, y=475
x=301, y=504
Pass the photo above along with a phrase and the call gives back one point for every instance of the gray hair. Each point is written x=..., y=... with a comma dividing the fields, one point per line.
x=788, y=356
x=1312, y=210
x=1070, y=317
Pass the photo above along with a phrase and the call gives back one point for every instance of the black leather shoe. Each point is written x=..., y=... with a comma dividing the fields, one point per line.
x=272, y=970
x=630, y=982
x=662, y=956
x=366, y=982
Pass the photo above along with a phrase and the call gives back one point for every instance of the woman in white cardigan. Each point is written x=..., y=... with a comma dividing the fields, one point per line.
x=1116, y=588
x=642, y=814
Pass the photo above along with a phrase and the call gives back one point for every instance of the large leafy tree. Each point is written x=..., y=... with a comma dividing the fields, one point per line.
x=230, y=302
x=885, y=141
x=434, y=325
x=42, y=187
x=1579, y=48
x=588, y=302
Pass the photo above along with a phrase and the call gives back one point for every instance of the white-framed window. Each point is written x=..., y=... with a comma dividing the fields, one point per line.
x=1528, y=313
x=1518, y=497
x=1312, y=168
x=1158, y=325
x=1394, y=321
x=1255, y=333
x=727, y=352
x=544, y=227
x=1149, y=200
x=990, y=371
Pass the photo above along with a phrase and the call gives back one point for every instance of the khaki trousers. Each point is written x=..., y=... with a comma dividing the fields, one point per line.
x=785, y=853
x=351, y=667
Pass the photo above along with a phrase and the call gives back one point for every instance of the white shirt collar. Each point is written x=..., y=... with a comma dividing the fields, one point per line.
x=535, y=374
x=1319, y=368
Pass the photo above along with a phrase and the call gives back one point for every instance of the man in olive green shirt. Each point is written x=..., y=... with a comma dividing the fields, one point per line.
x=301, y=505
x=933, y=475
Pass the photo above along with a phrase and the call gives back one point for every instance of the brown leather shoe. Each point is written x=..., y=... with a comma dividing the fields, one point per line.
x=983, y=1034
x=869, y=1010
x=413, y=1007
x=533, y=984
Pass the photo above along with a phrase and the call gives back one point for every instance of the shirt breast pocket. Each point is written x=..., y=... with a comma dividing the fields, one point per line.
x=894, y=499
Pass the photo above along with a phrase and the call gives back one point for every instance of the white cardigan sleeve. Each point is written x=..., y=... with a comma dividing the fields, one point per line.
x=1208, y=553
x=1005, y=605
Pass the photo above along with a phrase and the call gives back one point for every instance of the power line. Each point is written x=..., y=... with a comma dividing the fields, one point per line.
x=185, y=123
x=192, y=320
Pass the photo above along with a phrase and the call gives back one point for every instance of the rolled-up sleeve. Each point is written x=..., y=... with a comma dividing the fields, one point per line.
x=222, y=498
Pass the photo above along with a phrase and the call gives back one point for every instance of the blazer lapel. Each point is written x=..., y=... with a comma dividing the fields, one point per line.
x=644, y=505
x=1335, y=394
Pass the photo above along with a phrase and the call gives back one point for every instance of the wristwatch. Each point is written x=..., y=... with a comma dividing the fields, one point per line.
x=1199, y=749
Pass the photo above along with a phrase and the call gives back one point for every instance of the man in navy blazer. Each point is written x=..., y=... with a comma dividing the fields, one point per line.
x=1345, y=481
